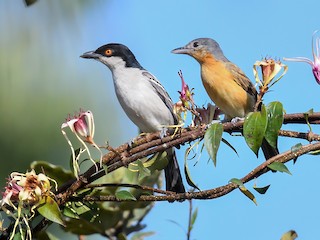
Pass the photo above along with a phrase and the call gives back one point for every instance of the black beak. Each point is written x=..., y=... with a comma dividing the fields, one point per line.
x=90, y=54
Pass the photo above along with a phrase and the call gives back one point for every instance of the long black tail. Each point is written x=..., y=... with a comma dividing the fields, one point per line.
x=268, y=150
x=172, y=174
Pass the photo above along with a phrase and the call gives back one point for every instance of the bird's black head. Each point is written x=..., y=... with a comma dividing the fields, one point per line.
x=116, y=50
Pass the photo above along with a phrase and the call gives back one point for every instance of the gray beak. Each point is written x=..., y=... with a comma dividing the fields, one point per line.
x=182, y=50
x=90, y=54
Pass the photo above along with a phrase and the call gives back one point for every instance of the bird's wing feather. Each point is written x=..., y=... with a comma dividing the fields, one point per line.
x=161, y=92
x=242, y=80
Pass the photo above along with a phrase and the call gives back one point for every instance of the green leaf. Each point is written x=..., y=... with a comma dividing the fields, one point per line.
x=57, y=173
x=122, y=236
x=254, y=128
x=49, y=209
x=212, y=139
x=261, y=190
x=296, y=147
x=275, y=120
x=193, y=218
x=306, y=116
x=317, y=152
x=186, y=170
x=44, y=235
x=278, y=166
x=141, y=235
x=290, y=235
x=125, y=195
x=82, y=227
x=18, y=236
x=236, y=181
x=157, y=162
x=78, y=208
x=244, y=190
x=248, y=194
x=69, y=212
x=143, y=171
x=229, y=145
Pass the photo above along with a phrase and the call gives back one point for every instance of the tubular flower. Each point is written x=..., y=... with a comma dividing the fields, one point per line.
x=82, y=125
x=269, y=69
x=185, y=93
x=315, y=64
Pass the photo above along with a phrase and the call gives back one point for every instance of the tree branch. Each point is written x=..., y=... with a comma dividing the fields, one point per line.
x=216, y=192
x=151, y=143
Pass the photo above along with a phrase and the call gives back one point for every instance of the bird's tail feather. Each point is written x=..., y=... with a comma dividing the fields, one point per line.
x=172, y=174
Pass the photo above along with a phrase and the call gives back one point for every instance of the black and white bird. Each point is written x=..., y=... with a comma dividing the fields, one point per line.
x=143, y=98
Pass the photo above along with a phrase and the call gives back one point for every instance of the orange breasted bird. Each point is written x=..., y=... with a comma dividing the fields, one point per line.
x=226, y=84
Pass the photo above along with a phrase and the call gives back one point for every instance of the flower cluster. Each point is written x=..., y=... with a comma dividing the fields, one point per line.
x=186, y=100
x=23, y=194
x=186, y=103
x=28, y=188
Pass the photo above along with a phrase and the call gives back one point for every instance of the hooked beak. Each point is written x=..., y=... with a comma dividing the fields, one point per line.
x=90, y=54
x=182, y=50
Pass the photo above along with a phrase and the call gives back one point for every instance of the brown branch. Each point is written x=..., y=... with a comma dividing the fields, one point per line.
x=136, y=186
x=309, y=136
x=150, y=144
x=216, y=192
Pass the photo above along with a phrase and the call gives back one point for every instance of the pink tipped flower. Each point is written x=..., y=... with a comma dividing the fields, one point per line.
x=315, y=64
x=82, y=125
x=185, y=93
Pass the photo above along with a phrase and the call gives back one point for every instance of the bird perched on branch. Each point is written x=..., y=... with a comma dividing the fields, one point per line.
x=226, y=84
x=143, y=98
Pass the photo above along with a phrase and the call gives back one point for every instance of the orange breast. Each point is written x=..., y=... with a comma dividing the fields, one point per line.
x=219, y=83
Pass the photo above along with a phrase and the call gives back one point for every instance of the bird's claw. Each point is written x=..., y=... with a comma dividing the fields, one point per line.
x=236, y=119
x=163, y=132
x=133, y=141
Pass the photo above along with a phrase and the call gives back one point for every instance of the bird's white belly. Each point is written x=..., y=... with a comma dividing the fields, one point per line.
x=142, y=104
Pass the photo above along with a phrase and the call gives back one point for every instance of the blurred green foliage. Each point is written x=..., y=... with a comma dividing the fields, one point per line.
x=41, y=81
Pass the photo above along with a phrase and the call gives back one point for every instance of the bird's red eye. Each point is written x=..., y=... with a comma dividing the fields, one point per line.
x=108, y=52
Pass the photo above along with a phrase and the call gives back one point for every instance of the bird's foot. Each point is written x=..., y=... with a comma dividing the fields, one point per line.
x=163, y=132
x=134, y=140
x=236, y=119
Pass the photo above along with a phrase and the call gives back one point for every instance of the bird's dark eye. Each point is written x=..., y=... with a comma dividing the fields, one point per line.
x=195, y=44
x=108, y=52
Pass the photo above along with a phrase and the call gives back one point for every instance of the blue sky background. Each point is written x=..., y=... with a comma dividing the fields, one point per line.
x=246, y=31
